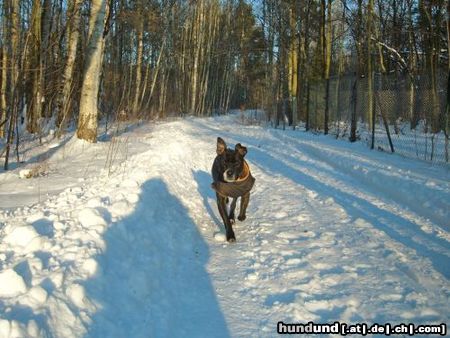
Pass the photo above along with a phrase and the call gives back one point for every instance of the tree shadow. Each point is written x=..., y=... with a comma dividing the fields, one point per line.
x=357, y=207
x=117, y=128
x=152, y=279
x=39, y=157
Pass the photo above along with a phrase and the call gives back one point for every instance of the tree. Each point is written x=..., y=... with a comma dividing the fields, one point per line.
x=327, y=37
x=4, y=66
x=447, y=108
x=72, y=36
x=87, y=120
x=14, y=75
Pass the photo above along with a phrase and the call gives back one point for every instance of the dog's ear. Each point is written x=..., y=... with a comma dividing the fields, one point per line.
x=221, y=146
x=241, y=149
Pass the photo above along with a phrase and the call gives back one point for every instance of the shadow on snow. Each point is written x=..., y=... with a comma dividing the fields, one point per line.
x=152, y=280
x=204, y=181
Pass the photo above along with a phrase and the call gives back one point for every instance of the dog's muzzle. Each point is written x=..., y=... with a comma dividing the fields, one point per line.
x=229, y=176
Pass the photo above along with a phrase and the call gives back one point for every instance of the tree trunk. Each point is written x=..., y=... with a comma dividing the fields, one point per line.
x=447, y=110
x=155, y=74
x=36, y=64
x=4, y=72
x=67, y=82
x=432, y=55
x=140, y=52
x=15, y=62
x=327, y=59
x=370, y=110
x=87, y=121
x=353, y=122
x=196, y=39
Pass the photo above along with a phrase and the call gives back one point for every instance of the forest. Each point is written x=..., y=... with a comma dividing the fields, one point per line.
x=317, y=62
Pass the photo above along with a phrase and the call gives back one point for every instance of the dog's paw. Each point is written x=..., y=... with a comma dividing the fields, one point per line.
x=242, y=218
x=230, y=237
x=232, y=221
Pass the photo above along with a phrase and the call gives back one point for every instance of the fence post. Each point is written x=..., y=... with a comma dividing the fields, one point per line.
x=327, y=112
x=294, y=112
x=307, y=106
x=337, y=105
x=447, y=113
x=277, y=121
x=372, y=107
x=353, y=118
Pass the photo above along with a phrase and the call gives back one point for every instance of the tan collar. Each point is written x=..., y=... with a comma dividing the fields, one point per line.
x=245, y=173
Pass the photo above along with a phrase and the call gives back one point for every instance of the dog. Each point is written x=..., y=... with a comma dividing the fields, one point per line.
x=231, y=179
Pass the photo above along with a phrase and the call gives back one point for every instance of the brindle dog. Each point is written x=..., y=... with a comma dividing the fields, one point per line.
x=229, y=167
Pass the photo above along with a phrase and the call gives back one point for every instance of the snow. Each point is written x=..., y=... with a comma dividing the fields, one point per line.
x=123, y=238
x=21, y=236
x=25, y=173
x=12, y=284
x=90, y=218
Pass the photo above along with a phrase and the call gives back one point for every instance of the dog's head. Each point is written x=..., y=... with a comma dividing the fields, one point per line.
x=231, y=162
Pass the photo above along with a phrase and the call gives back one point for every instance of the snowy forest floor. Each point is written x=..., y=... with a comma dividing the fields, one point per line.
x=123, y=238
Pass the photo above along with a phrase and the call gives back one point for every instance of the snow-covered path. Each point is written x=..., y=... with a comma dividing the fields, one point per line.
x=334, y=232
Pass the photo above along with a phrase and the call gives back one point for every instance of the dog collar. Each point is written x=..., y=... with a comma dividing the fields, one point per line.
x=236, y=189
x=245, y=173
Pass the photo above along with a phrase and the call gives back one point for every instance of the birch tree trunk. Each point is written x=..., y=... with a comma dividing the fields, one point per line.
x=327, y=59
x=35, y=109
x=140, y=50
x=73, y=35
x=3, y=85
x=293, y=64
x=4, y=79
x=87, y=121
x=196, y=31
x=46, y=58
x=15, y=37
x=413, y=117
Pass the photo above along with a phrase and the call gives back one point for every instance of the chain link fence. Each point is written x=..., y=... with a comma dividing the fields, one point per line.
x=410, y=113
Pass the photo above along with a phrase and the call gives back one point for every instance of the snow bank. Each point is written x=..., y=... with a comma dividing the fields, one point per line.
x=11, y=283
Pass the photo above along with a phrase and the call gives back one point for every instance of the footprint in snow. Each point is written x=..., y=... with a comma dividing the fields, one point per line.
x=318, y=305
x=220, y=237
x=294, y=261
x=283, y=298
x=303, y=218
x=297, y=235
x=253, y=276
x=280, y=214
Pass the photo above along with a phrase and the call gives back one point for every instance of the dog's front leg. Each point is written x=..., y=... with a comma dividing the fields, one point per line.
x=222, y=205
x=232, y=208
x=244, y=204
